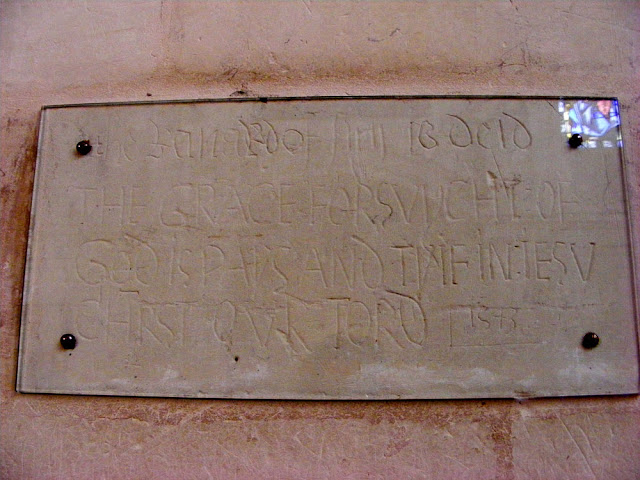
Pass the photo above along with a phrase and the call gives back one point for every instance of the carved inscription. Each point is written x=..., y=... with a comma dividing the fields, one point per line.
x=327, y=235
x=225, y=258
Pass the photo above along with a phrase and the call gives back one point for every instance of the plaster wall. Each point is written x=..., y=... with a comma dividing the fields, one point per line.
x=54, y=52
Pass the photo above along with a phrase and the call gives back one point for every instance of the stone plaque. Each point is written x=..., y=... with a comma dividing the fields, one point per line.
x=373, y=248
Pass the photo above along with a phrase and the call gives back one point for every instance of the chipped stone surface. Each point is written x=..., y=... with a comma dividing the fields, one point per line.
x=544, y=48
x=560, y=445
x=272, y=447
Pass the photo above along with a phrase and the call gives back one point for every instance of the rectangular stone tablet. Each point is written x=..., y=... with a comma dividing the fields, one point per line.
x=372, y=248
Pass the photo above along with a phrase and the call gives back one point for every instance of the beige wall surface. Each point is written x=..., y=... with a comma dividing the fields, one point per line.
x=54, y=52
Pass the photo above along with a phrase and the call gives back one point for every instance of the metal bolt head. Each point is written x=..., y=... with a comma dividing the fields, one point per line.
x=590, y=340
x=575, y=141
x=68, y=341
x=83, y=147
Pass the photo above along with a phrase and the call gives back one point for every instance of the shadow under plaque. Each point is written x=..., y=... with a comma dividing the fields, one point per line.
x=330, y=248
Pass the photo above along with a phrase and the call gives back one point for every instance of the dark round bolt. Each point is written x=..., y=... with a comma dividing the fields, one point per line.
x=590, y=340
x=575, y=141
x=68, y=341
x=83, y=147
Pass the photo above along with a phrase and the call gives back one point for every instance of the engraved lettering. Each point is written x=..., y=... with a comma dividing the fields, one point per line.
x=460, y=133
x=420, y=135
x=584, y=267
